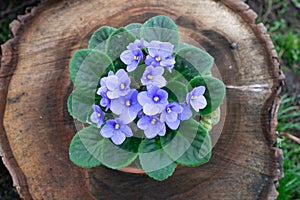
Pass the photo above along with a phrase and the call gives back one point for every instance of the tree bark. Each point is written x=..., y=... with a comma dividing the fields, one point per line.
x=36, y=129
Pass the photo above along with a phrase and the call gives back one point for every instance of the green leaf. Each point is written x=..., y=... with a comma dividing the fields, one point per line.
x=76, y=62
x=163, y=173
x=192, y=61
x=214, y=92
x=85, y=147
x=87, y=67
x=69, y=105
x=154, y=161
x=119, y=64
x=98, y=39
x=182, y=45
x=79, y=106
x=200, y=150
x=178, y=89
x=118, y=42
x=115, y=157
x=160, y=28
x=208, y=121
x=135, y=29
x=190, y=145
x=131, y=144
x=136, y=76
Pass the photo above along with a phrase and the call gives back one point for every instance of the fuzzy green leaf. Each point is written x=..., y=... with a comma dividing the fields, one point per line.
x=87, y=67
x=85, y=147
x=79, y=106
x=131, y=144
x=178, y=89
x=154, y=161
x=135, y=29
x=136, y=76
x=214, y=92
x=116, y=157
x=190, y=145
x=99, y=38
x=118, y=42
x=199, y=151
x=163, y=173
x=76, y=62
x=208, y=121
x=182, y=45
x=192, y=61
x=160, y=28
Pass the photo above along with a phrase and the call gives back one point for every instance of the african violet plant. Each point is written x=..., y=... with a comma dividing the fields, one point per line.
x=145, y=99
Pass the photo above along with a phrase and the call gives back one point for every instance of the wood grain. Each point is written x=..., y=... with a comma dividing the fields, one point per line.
x=36, y=128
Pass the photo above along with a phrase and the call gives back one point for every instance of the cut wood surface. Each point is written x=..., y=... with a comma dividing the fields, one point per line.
x=36, y=128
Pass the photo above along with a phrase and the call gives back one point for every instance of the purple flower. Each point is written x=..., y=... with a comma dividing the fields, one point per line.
x=97, y=116
x=153, y=77
x=196, y=99
x=131, y=58
x=152, y=126
x=116, y=130
x=137, y=44
x=170, y=115
x=127, y=107
x=160, y=54
x=133, y=55
x=186, y=112
x=115, y=85
x=154, y=100
x=105, y=101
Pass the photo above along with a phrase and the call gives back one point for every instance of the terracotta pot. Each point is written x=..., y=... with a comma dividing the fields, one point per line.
x=136, y=170
x=132, y=170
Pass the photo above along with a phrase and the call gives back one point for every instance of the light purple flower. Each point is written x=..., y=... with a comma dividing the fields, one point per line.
x=102, y=91
x=133, y=55
x=170, y=115
x=160, y=54
x=137, y=44
x=196, y=99
x=131, y=58
x=116, y=130
x=97, y=116
x=186, y=112
x=115, y=85
x=154, y=100
x=127, y=107
x=152, y=126
x=153, y=76
x=105, y=101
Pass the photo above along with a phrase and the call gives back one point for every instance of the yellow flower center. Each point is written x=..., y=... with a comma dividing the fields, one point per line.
x=153, y=121
x=156, y=99
x=99, y=115
x=122, y=86
x=127, y=103
x=150, y=77
x=158, y=58
x=135, y=57
x=117, y=126
x=169, y=110
x=194, y=97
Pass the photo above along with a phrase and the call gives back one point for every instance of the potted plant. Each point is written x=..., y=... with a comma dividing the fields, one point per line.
x=145, y=99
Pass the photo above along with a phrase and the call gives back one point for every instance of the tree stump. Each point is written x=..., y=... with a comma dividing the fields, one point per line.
x=36, y=127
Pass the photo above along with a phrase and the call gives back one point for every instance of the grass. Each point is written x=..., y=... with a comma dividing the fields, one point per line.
x=281, y=17
x=288, y=47
x=289, y=121
x=4, y=31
